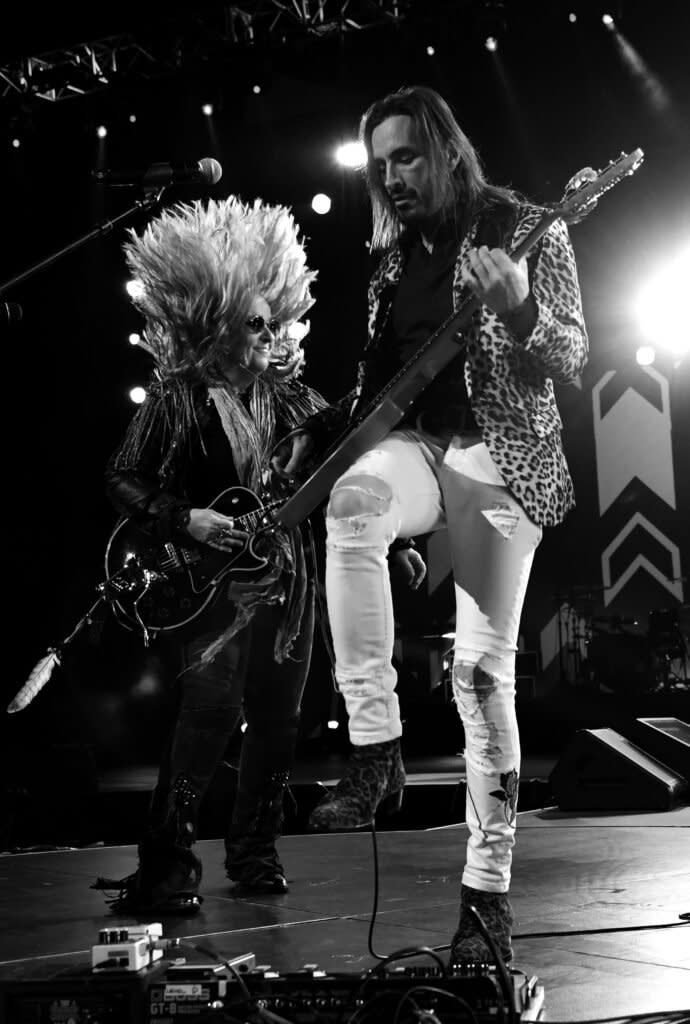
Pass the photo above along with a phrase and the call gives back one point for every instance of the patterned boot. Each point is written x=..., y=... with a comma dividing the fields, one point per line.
x=375, y=776
x=468, y=945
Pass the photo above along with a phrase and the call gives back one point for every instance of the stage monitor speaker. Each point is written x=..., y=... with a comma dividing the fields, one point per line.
x=666, y=739
x=603, y=771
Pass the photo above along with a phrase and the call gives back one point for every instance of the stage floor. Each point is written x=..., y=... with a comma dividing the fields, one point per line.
x=597, y=901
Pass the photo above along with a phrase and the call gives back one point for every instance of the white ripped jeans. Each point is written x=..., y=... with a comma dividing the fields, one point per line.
x=406, y=486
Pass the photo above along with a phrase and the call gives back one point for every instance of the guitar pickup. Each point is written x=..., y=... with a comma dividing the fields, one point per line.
x=171, y=560
x=190, y=556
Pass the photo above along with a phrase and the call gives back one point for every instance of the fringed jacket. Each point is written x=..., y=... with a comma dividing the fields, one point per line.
x=176, y=456
x=509, y=382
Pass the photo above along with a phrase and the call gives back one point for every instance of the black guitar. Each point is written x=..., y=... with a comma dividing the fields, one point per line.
x=156, y=587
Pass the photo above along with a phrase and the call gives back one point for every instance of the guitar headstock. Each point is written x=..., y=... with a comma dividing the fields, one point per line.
x=586, y=187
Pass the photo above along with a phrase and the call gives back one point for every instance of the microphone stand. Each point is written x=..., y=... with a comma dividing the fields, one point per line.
x=149, y=200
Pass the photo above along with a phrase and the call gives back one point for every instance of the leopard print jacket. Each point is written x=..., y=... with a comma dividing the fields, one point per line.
x=510, y=383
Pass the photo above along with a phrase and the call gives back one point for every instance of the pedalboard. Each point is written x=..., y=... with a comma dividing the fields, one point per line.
x=134, y=980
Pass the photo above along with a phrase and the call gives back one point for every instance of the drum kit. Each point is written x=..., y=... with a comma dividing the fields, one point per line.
x=615, y=653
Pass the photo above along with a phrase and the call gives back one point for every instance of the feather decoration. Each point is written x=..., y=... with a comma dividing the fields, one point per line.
x=38, y=677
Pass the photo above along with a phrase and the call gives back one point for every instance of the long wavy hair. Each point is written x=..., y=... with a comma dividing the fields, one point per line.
x=462, y=191
x=198, y=266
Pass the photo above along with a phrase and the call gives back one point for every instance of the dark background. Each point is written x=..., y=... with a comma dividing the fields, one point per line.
x=556, y=97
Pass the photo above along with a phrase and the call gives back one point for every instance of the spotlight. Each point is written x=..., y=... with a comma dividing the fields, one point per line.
x=298, y=330
x=430, y=51
x=645, y=355
x=207, y=109
x=256, y=89
x=137, y=395
x=351, y=154
x=101, y=131
x=321, y=203
x=134, y=339
x=16, y=143
x=135, y=289
x=608, y=21
x=662, y=309
x=491, y=44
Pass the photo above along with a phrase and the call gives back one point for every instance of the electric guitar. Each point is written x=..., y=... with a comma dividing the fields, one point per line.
x=392, y=402
x=158, y=586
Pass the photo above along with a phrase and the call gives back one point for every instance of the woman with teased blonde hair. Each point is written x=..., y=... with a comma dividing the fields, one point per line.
x=219, y=284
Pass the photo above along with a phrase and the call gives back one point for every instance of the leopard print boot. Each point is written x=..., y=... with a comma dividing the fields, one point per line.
x=375, y=776
x=468, y=945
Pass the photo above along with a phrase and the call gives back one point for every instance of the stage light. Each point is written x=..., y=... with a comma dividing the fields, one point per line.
x=662, y=310
x=645, y=355
x=207, y=109
x=16, y=143
x=332, y=724
x=491, y=44
x=608, y=21
x=134, y=339
x=137, y=395
x=321, y=203
x=298, y=330
x=256, y=89
x=351, y=154
x=101, y=131
x=135, y=289
x=430, y=51
x=147, y=685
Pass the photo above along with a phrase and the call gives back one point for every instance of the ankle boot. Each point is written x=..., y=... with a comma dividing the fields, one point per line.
x=251, y=858
x=375, y=777
x=468, y=945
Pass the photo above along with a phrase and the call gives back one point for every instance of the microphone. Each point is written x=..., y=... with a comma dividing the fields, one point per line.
x=207, y=171
x=10, y=313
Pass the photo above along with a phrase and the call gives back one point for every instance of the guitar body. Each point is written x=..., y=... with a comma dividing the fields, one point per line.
x=157, y=587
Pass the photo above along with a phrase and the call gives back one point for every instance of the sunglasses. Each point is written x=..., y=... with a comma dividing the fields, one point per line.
x=257, y=323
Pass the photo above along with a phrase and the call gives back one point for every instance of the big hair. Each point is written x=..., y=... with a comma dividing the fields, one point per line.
x=199, y=265
x=462, y=191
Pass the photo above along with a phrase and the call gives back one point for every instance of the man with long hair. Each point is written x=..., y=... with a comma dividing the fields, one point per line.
x=219, y=285
x=479, y=454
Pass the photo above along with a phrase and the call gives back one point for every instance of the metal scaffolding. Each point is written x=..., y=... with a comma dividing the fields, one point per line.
x=93, y=66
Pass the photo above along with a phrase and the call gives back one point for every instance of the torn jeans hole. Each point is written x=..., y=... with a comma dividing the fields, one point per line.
x=504, y=518
x=473, y=688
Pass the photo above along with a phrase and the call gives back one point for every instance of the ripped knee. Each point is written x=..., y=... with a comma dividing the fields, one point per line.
x=473, y=686
x=359, y=495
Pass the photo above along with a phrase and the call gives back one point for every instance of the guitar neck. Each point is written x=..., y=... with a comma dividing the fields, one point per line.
x=391, y=404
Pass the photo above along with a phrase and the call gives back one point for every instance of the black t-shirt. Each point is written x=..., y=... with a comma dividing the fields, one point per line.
x=422, y=301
